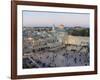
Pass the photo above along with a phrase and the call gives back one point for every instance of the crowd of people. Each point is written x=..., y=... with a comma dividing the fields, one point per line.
x=44, y=49
x=59, y=58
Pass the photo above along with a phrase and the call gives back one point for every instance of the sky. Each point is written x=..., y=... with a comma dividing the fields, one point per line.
x=42, y=18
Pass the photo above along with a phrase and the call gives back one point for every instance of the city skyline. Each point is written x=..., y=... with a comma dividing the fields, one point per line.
x=43, y=18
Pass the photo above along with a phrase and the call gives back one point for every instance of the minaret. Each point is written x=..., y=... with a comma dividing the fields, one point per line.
x=53, y=28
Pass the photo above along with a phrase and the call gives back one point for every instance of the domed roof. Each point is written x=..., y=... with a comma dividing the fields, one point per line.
x=61, y=26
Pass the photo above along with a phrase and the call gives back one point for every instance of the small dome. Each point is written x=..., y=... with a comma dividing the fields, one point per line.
x=61, y=26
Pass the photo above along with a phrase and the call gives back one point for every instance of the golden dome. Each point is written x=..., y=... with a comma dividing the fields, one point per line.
x=61, y=26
